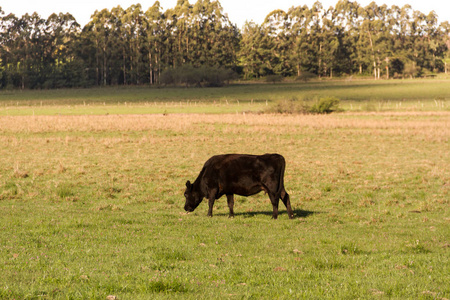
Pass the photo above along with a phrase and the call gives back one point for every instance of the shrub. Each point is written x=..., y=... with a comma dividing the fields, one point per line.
x=325, y=106
x=293, y=106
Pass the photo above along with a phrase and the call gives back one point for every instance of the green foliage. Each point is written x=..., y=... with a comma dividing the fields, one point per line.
x=273, y=78
x=305, y=76
x=291, y=106
x=136, y=46
x=411, y=70
x=325, y=105
x=202, y=76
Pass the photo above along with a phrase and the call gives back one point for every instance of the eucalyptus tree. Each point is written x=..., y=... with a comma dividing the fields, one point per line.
x=384, y=45
x=315, y=37
x=332, y=34
x=427, y=44
x=250, y=56
x=400, y=38
x=101, y=28
x=432, y=42
x=61, y=64
x=216, y=38
x=348, y=21
x=134, y=34
x=134, y=46
x=298, y=32
x=22, y=48
x=155, y=35
x=371, y=32
x=276, y=43
x=10, y=59
x=445, y=40
x=178, y=27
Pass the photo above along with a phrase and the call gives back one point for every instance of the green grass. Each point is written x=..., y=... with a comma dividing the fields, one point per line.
x=362, y=95
x=92, y=206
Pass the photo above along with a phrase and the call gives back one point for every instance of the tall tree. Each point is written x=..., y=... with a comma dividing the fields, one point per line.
x=155, y=35
x=275, y=29
x=299, y=32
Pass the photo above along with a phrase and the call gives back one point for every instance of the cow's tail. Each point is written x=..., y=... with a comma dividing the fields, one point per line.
x=281, y=178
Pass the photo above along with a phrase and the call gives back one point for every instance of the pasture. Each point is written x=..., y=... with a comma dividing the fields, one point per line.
x=91, y=205
x=356, y=96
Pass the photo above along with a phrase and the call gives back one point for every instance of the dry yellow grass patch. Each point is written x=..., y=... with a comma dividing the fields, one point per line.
x=436, y=123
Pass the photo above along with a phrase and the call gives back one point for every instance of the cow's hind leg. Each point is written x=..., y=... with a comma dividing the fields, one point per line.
x=230, y=201
x=287, y=202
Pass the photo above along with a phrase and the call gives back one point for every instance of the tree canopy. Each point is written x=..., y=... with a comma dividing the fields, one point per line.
x=132, y=45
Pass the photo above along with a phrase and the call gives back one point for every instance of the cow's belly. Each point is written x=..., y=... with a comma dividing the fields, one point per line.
x=243, y=190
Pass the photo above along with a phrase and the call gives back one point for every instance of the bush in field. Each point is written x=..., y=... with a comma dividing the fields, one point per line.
x=293, y=106
x=189, y=75
x=325, y=105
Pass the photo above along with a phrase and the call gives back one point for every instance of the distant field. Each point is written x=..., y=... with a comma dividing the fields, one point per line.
x=91, y=206
x=363, y=95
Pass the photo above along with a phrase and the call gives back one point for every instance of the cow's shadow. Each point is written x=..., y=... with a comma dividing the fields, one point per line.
x=298, y=213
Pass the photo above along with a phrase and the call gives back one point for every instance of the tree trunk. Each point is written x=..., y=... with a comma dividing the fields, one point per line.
x=151, y=67
x=104, y=66
x=375, y=70
x=387, y=67
x=373, y=56
x=124, y=68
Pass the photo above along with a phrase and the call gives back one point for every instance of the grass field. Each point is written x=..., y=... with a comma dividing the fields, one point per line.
x=91, y=206
x=364, y=95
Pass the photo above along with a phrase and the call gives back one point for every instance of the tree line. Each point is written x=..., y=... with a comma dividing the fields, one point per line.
x=134, y=46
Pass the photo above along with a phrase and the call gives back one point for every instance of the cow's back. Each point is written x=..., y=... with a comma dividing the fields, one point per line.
x=238, y=171
x=236, y=162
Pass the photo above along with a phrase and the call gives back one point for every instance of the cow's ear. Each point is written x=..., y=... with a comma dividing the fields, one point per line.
x=188, y=184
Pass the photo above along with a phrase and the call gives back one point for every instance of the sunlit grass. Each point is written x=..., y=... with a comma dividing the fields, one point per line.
x=92, y=206
x=362, y=95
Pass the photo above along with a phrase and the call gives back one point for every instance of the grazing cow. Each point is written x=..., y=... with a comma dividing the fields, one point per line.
x=239, y=174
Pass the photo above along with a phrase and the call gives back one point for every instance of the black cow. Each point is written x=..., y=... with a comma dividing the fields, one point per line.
x=239, y=174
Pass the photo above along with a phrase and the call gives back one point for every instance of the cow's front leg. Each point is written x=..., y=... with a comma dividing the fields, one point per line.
x=230, y=201
x=274, y=200
x=211, y=204
x=211, y=198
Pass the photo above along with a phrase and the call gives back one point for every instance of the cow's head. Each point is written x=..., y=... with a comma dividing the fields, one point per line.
x=193, y=198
